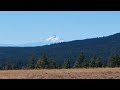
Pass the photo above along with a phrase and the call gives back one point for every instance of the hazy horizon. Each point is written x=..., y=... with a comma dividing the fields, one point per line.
x=20, y=27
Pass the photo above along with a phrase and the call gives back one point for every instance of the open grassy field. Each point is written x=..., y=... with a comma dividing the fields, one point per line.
x=91, y=73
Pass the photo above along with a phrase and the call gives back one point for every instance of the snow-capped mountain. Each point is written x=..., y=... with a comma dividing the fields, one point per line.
x=46, y=41
x=54, y=39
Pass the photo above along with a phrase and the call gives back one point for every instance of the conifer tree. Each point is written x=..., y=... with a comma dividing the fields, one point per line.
x=80, y=60
x=43, y=62
x=95, y=61
x=31, y=62
x=66, y=64
x=114, y=60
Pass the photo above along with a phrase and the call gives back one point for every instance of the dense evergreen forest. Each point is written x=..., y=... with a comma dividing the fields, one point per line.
x=81, y=62
x=93, y=52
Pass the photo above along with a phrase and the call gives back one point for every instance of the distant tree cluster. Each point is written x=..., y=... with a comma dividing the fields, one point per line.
x=42, y=63
x=81, y=62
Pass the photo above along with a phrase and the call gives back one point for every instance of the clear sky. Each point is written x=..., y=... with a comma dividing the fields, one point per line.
x=30, y=26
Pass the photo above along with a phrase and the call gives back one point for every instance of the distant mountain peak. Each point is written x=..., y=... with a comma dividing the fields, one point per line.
x=54, y=39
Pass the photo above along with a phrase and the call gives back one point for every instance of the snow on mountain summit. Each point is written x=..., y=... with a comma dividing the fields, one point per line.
x=54, y=39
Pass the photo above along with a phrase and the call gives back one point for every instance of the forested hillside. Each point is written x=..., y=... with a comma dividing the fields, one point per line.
x=103, y=47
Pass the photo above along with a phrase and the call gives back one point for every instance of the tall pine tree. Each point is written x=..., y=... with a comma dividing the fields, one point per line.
x=80, y=61
x=52, y=64
x=114, y=60
x=31, y=62
x=95, y=61
x=66, y=64
x=43, y=62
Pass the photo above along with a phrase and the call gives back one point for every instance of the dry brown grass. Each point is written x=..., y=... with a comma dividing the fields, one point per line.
x=90, y=73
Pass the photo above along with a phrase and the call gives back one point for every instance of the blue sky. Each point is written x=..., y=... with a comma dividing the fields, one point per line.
x=33, y=26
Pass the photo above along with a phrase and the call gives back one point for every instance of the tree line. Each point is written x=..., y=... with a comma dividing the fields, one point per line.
x=81, y=62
